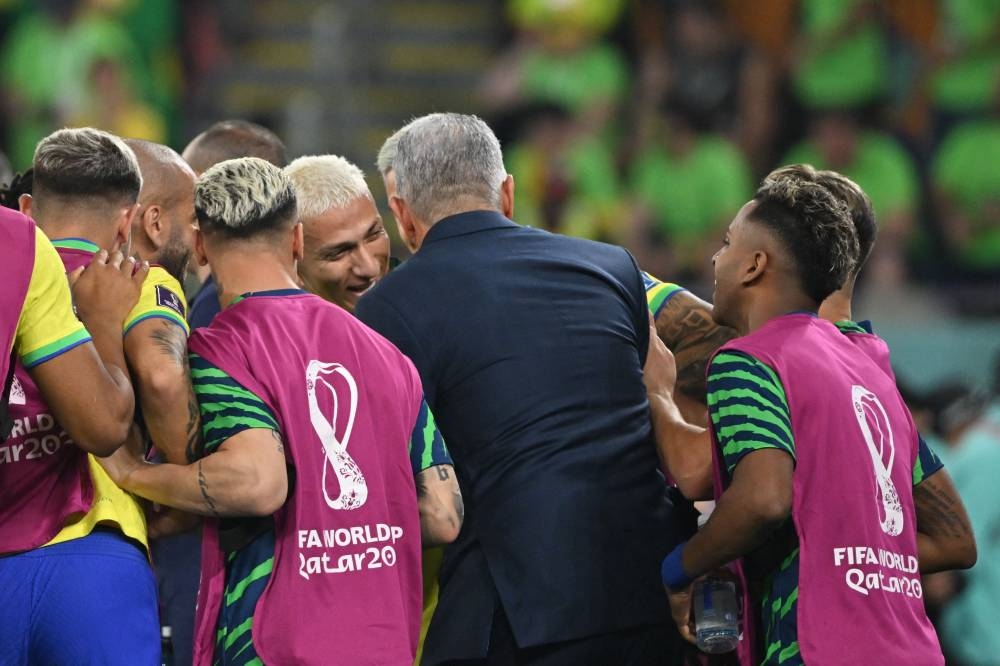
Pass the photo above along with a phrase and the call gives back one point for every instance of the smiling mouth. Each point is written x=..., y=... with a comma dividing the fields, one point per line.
x=358, y=290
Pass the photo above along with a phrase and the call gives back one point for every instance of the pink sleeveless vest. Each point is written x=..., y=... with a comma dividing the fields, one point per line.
x=860, y=597
x=44, y=477
x=17, y=254
x=346, y=586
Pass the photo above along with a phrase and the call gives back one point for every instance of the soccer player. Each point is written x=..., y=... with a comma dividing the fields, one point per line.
x=311, y=554
x=226, y=140
x=78, y=537
x=346, y=252
x=156, y=335
x=814, y=406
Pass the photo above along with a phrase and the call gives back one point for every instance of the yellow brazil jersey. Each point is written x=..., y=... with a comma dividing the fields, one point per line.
x=47, y=326
x=161, y=297
x=658, y=293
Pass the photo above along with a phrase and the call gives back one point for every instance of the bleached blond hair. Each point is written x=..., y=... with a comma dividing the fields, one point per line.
x=243, y=197
x=323, y=182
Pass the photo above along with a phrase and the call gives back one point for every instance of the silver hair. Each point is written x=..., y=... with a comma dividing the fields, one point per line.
x=323, y=182
x=243, y=196
x=86, y=162
x=444, y=160
x=387, y=153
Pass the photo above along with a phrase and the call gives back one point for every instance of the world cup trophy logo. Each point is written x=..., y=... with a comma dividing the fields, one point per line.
x=352, y=489
x=874, y=424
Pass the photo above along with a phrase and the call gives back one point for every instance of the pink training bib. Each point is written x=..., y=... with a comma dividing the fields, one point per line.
x=346, y=586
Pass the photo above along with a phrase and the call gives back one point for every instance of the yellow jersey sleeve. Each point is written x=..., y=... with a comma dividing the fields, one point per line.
x=658, y=292
x=48, y=326
x=161, y=298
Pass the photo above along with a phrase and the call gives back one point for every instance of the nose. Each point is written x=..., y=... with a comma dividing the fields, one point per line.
x=366, y=264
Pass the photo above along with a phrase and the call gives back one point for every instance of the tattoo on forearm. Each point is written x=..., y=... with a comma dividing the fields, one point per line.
x=171, y=341
x=442, y=472
x=281, y=445
x=195, y=446
x=209, y=502
x=686, y=326
x=938, y=513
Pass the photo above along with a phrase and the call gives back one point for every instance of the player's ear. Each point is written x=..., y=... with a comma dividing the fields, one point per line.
x=406, y=222
x=150, y=219
x=755, y=267
x=507, y=197
x=199, y=247
x=25, y=203
x=126, y=217
x=298, y=242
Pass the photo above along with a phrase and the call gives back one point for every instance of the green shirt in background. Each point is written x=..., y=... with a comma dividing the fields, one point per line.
x=966, y=170
x=969, y=82
x=574, y=81
x=694, y=195
x=850, y=70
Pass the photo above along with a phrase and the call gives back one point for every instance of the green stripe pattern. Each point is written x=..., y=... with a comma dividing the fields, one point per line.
x=748, y=407
x=427, y=447
x=75, y=244
x=749, y=412
x=227, y=409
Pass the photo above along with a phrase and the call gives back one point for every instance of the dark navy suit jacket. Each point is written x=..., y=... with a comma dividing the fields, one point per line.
x=530, y=346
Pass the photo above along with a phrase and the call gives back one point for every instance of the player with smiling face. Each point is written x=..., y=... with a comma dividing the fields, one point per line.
x=346, y=245
x=793, y=410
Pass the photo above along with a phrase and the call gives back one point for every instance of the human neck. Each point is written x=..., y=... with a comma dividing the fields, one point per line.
x=837, y=307
x=766, y=309
x=238, y=275
x=76, y=229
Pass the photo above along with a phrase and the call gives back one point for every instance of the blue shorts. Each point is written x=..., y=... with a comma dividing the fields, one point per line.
x=86, y=601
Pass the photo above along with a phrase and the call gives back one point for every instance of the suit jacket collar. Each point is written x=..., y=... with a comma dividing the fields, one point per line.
x=467, y=223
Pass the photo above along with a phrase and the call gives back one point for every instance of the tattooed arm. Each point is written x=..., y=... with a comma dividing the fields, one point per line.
x=944, y=533
x=246, y=476
x=686, y=326
x=440, y=502
x=156, y=350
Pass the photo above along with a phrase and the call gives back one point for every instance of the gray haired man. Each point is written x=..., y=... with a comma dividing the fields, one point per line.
x=530, y=347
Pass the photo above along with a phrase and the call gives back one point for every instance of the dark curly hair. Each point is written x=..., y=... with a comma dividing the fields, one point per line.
x=850, y=193
x=10, y=194
x=815, y=227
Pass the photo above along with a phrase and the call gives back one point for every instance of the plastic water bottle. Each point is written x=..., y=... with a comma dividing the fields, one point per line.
x=167, y=646
x=715, y=615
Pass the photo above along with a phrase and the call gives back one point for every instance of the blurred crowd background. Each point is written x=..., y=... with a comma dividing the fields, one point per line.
x=645, y=123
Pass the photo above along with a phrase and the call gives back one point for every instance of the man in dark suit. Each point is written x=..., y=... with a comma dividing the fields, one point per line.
x=530, y=347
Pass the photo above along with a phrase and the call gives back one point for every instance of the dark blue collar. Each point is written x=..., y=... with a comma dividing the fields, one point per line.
x=269, y=292
x=467, y=223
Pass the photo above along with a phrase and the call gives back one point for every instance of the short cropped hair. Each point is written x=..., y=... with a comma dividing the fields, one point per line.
x=814, y=226
x=244, y=198
x=387, y=153
x=857, y=202
x=230, y=139
x=442, y=157
x=85, y=163
x=323, y=182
